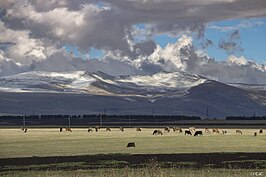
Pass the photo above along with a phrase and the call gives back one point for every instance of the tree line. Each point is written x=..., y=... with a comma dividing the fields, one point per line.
x=92, y=119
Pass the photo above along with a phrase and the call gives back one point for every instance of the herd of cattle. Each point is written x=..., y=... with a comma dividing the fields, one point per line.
x=190, y=131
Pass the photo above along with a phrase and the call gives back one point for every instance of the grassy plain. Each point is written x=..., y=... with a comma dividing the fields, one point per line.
x=51, y=142
x=146, y=172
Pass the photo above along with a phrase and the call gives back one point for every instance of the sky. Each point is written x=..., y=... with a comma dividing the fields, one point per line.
x=223, y=40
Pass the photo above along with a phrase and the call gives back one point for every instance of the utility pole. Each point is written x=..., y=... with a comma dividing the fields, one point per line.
x=101, y=120
x=207, y=116
x=68, y=121
x=153, y=114
x=24, y=121
x=207, y=112
x=129, y=120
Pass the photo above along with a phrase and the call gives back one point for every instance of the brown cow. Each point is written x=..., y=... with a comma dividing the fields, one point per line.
x=108, y=129
x=215, y=130
x=138, y=129
x=157, y=132
x=225, y=131
x=176, y=129
x=207, y=130
x=192, y=129
x=255, y=134
x=238, y=132
x=167, y=129
x=68, y=129
x=121, y=129
x=90, y=130
x=24, y=129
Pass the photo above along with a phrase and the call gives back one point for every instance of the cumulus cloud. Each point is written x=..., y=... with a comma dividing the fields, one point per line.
x=38, y=30
x=184, y=56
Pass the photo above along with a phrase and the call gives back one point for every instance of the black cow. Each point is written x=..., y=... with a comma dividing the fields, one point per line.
x=198, y=133
x=157, y=132
x=188, y=132
x=131, y=144
x=255, y=134
x=261, y=131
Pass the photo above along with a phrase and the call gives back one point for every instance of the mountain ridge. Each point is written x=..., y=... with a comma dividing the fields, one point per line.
x=167, y=93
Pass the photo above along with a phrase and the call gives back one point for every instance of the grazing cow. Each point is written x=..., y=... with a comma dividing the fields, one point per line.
x=90, y=130
x=255, y=134
x=215, y=130
x=225, y=131
x=60, y=129
x=138, y=129
x=238, y=132
x=261, y=131
x=25, y=130
x=207, y=130
x=157, y=132
x=176, y=129
x=121, y=129
x=68, y=129
x=188, y=132
x=167, y=129
x=131, y=144
x=108, y=129
x=198, y=133
x=192, y=129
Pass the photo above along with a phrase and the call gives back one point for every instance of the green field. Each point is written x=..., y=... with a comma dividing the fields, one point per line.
x=50, y=142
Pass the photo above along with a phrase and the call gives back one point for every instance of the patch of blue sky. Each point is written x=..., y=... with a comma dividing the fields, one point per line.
x=252, y=38
x=73, y=49
x=93, y=52
x=163, y=39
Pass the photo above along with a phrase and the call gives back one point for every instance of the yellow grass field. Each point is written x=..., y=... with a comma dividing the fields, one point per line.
x=50, y=142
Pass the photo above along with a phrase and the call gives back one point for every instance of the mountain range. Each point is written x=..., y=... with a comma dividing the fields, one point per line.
x=171, y=93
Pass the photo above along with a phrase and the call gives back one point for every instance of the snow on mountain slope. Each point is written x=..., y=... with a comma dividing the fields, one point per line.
x=257, y=87
x=83, y=92
x=98, y=83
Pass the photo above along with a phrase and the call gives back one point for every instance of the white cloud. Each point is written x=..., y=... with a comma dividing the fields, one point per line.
x=241, y=25
x=39, y=29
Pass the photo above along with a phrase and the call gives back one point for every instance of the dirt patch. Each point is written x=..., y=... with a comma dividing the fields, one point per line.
x=203, y=160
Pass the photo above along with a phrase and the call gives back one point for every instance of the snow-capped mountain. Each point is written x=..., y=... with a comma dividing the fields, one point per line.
x=82, y=92
x=99, y=83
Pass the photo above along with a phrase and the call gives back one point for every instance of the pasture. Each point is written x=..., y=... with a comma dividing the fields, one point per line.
x=50, y=142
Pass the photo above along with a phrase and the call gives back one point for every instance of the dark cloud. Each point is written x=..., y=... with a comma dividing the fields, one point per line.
x=39, y=30
x=206, y=43
x=232, y=44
